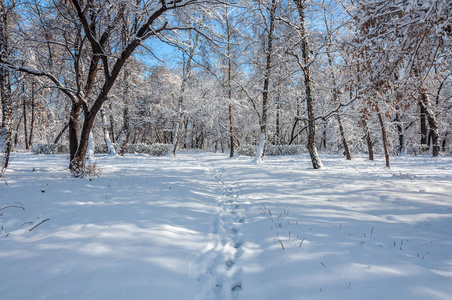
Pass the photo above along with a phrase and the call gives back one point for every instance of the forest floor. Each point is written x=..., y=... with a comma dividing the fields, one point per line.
x=205, y=226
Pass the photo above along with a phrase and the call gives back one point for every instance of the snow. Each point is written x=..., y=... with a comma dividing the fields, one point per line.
x=204, y=226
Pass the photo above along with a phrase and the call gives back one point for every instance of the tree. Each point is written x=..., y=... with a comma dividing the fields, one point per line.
x=305, y=65
x=96, y=24
x=6, y=130
x=407, y=38
x=266, y=84
x=187, y=69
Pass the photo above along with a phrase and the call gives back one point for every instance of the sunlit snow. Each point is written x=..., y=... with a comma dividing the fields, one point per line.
x=205, y=226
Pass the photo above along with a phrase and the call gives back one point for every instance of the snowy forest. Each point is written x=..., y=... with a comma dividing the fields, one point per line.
x=226, y=149
x=333, y=76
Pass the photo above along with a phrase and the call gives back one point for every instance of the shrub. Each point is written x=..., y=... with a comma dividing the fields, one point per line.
x=271, y=150
x=50, y=149
x=151, y=149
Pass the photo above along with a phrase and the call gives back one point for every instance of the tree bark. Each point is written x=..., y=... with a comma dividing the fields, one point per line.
x=231, y=119
x=370, y=149
x=312, y=148
x=73, y=130
x=32, y=121
x=401, y=133
x=125, y=131
x=24, y=107
x=61, y=133
x=110, y=148
x=424, y=128
x=385, y=140
x=269, y=51
x=6, y=132
x=432, y=122
x=348, y=156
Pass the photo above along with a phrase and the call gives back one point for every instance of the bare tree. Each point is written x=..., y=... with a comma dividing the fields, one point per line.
x=305, y=65
x=6, y=130
x=265, y=91
x=97, y=24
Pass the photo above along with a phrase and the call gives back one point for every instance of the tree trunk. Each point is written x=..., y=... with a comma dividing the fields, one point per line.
x=110, y=148
x=370, y=149
x=231, y=119
x=24, y=106
x=6, y=132
x=61, y=133
x=32, y=121
x=401, y=132
x=312, y=148
x=73, y=131
x=263, y=128
x=125, y=131
x=348, y=156
x=385, y=140
x=424, y=129
x=432, y=122
x=335, y=91
x=112, y=125
x=278, y=122
x=180, y=100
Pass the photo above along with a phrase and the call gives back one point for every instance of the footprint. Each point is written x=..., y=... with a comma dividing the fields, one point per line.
x=229, y=263
x=234, y=230
x=215, y=226
x=238, y=245
x=237, y=287
x=238, y=253
x=218, y=287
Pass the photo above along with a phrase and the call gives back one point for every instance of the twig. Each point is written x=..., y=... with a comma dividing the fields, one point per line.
x=26, y=223
x=23, y=208
x=301, y=243
x=281, y=244
x=39, y=224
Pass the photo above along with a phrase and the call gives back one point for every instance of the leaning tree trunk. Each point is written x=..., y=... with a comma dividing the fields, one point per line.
x=315, y=158
x=263, y=128
x=6, y=132
x=348, y=155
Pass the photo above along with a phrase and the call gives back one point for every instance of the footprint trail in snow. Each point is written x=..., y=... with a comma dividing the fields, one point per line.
x=220, y=271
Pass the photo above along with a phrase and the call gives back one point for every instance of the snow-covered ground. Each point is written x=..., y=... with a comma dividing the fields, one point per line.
x=204, y=226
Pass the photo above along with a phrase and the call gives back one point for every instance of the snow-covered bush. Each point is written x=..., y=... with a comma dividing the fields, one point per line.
x=271, y=150
x=50, y=149
x=274, y=150
x=158, y=149
x=246, y=150
x=151, y=149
